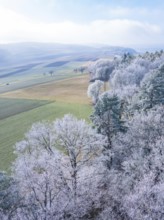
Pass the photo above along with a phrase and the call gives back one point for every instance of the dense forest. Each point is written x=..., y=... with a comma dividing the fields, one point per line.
x=110, y=169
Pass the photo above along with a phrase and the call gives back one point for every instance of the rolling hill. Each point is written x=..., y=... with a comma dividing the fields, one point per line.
x=19, y=53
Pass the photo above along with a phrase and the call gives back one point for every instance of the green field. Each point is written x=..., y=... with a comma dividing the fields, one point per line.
x=10, y=107
x=12, y=129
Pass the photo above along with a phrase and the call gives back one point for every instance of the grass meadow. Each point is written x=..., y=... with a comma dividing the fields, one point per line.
x=10, y=107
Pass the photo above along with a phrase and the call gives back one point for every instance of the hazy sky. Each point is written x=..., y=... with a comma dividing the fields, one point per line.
x=113, y=22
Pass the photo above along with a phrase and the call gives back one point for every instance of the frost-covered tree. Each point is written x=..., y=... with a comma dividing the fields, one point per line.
x=132, y=73
x=9, y=197
x=55, y=185
x=80, y=142
x=134, y=182
x=94, y=90
x=151, y=91
x=107, y=116
x=147, y=199
x=127, y=58
x=39, y=175
x=102, y=69
x=129, y=74
x=138, y=158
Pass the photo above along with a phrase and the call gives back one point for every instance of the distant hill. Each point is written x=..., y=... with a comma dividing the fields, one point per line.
x=24, y=53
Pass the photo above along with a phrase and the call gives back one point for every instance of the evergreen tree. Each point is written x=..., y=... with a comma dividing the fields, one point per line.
x=107, y=116
x=152, y=90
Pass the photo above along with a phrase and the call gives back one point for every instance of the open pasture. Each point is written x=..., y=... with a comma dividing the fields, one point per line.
x=10, y=107
x=12, y=129
x=35, y=74
x=72, y=90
